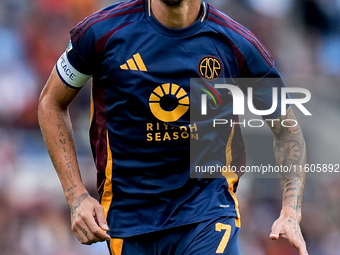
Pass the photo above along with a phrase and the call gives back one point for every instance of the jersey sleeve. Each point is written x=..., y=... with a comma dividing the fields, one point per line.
x=76, y=65
x=267, y=93
x=262, y=76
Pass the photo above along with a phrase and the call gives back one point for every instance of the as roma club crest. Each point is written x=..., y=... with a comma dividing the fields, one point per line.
x=210, y=68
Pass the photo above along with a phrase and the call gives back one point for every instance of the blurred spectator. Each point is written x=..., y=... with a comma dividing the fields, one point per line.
x=18, y=86
x=321, y=19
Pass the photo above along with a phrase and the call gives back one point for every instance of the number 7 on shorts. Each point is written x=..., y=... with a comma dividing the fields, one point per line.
x=223, y=244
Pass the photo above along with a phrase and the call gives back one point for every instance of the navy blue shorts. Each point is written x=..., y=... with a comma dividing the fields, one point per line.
x=217, y=236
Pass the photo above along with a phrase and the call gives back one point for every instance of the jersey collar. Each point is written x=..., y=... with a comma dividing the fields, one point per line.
x=182, y=32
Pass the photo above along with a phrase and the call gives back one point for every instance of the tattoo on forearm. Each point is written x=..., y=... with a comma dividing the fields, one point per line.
x=78, y=202
x=57, y=144
x=73, y=187
x=290, y=150
x=292, y=187
x=64, y=141
x=63, y=144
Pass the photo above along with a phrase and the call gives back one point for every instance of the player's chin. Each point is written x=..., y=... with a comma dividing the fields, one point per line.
x=172, y=2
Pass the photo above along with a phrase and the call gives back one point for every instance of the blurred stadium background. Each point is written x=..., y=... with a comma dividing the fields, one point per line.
x=303, y=36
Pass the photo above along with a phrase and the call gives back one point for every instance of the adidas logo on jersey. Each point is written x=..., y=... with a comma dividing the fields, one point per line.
x=136, y=63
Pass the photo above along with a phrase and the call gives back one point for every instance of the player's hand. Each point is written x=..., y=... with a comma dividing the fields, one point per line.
x=88, y=220
x=288, y=226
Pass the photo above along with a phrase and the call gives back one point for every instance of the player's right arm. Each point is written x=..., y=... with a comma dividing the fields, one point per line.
x=87, y=215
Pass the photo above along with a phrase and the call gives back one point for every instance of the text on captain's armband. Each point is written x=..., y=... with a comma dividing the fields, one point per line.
x=67, y=70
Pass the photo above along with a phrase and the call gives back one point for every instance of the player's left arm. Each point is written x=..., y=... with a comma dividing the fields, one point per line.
x=290, y=151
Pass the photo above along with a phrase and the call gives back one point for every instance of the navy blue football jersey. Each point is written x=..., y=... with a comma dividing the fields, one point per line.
x=141, y=130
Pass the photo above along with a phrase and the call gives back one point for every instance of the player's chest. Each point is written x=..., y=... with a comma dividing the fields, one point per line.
x=157, y=58
x=164, y=74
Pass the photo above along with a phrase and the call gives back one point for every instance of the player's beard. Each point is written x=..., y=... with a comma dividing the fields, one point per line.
x=172, y=2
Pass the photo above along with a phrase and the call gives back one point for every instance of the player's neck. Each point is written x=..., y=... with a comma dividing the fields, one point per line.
x=176, y=16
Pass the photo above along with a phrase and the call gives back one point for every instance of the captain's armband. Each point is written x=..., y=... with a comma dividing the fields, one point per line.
x=70, y=75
